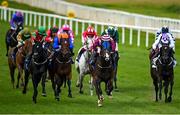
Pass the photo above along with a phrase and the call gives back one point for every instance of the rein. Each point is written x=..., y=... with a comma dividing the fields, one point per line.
x=40, y=63
x=104, y=67
x=62, y=62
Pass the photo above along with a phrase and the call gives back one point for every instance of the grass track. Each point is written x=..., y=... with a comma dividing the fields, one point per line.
x=136, y=90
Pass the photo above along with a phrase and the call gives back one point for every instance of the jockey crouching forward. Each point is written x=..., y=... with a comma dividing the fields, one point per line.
x=17, y=19
x=113, y=33
x=98, y=44
x=57, y=46
x=162, y=37
x=38, y=36
x=88, y=34
x=51, y=34
x=22, y=36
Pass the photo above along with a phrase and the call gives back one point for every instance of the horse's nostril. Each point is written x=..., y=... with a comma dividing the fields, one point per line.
x=106, y=59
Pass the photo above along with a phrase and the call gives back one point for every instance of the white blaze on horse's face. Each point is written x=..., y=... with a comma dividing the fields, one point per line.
x=107, y=57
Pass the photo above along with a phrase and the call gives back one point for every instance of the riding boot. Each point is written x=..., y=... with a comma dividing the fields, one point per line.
x=27, y=62
x=14, y=53
x=174, y=60
x=72, y=54
x=93, y=59
x=154, y=62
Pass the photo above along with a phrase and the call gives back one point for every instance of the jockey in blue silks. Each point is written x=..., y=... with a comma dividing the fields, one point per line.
x=17, y=18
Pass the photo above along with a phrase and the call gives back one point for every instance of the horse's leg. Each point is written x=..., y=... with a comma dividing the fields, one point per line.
x=26, y=74
x=21, y=76
x=18, y=77
x=78, y=81
x=110, y=88
x=58, y=82
x=155, y=82
x=160, y=89
x=43, y=84
x=81, y=77
x=69, y=88
x=96, y=83
x=36, y=79
x=166, y=85
x=170, y=93
x=12, y=70
x=115, y=80
x=91, y=86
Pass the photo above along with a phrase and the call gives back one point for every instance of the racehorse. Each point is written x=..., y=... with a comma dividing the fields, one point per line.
x=62, y=69
x=163, y=72
x=103, y=71
x=20, y=58
x=38, y=68
x=10, y=39
x=82, y=66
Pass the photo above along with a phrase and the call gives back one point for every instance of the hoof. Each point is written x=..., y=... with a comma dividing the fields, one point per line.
x=169, y=99
x=81, y=92
x=116, y=90
x=70, y=95
x=100, y=103
x=166, y=100
x=44, y=94
x=24, y=91
x=77, y=85
x=110, y=97
x=91, y=93
x=17, y=86
x=57, y=98
x=34, y=100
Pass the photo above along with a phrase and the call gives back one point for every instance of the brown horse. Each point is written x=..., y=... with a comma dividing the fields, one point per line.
x=21, y=54
x=18, y=61
x=62, y=69
x=103, y=72
x=163, y=72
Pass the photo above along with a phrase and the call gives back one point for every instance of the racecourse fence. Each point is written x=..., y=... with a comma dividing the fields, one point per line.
x=78, y=25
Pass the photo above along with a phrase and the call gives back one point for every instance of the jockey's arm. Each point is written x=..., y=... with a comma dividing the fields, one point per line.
x=172, y=42
x=154, y=46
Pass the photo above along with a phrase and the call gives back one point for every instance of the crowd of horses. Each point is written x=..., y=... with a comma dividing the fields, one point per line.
x=60, y=70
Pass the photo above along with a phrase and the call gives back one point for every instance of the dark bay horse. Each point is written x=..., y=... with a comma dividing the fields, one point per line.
x=38, y=68
x=103, y=72
x=62, y=69
x=163, y=75
x=10, y=39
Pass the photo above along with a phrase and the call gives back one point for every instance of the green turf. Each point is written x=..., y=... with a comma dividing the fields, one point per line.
x=165, y=8
x=136, y=93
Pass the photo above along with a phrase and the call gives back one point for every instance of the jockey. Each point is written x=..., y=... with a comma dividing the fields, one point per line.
x=157, y=44
x=51, y=33
x=113, y=32
x=22, y=36
x=57, y=47
x=99, y=43
x=38, y=36
x=66, y=28
x=17, y=18
x=89, y=33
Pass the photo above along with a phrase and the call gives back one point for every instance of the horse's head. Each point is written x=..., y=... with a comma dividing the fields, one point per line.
x=105, y=54
x=65, y=53
x=39, y=52
x=165, y=51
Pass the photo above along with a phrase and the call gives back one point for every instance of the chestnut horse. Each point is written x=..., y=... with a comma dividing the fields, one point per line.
x=62, y=69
